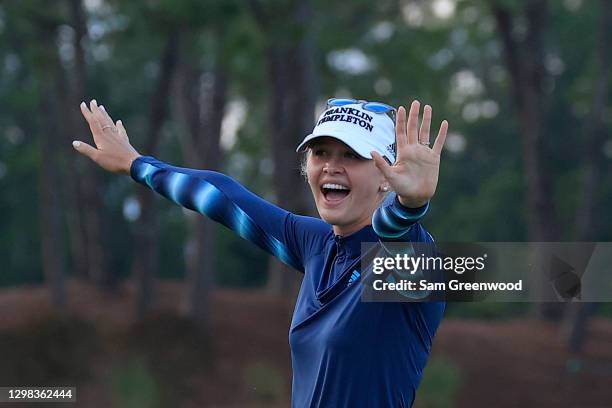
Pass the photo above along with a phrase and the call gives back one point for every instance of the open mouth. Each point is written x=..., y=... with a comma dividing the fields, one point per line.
x=335, y=193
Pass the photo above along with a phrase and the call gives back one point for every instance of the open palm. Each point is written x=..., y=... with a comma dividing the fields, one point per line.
x=112, y=151
x=414, y=175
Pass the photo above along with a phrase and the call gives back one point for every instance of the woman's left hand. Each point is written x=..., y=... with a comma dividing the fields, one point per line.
x=414, y=175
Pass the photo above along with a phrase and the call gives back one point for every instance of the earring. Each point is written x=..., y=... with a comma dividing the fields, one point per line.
x=385, y=188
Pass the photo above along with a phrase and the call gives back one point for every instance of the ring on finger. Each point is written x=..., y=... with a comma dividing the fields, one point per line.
x=109, y=127
x=424, y=143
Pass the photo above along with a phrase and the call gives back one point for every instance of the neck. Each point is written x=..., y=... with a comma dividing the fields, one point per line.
x=346, y=230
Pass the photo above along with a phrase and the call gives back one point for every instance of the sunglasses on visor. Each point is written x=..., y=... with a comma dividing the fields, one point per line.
x=376, y=107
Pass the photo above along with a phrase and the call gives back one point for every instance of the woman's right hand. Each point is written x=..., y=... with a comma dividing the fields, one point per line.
x=113, y=151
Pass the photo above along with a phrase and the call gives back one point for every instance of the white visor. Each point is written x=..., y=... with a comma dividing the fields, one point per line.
x=362, y=130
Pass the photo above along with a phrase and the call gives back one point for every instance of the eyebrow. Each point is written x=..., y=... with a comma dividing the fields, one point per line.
x=320, y=144
x=315, y=145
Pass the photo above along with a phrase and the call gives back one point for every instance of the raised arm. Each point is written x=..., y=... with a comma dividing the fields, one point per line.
x=413, y=177
x=281, y=233
x=218, y=196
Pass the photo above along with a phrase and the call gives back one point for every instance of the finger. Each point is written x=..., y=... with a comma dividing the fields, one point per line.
x=122, y=130
x=95, y=112
x=106, y=118
x=93, y=105
x=382, y=164
x=98, y=114
x=106, y=123
x=92, y=121
x=413, y=122
x=88, y=115
x=86, y=112
x=424, y=133
x=439, y=144
x=85, y=149
x=400, y=128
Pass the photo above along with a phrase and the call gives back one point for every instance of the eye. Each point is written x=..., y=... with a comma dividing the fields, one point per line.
x=317, y=151
x=350, y=155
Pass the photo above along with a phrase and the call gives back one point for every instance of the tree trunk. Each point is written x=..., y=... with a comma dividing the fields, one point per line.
x=146, y=234
x=201, y=109
x=51, y=182
x=95, y=227
x=50, y=211
x=578, y=315
x=525, y=63
x=595, y=132
x=291, y=76
x=85, y=211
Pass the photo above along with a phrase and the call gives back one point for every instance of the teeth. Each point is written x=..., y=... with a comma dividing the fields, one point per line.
x=335, y=186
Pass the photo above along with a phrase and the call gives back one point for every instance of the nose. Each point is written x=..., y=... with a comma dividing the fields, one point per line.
x=332, y=166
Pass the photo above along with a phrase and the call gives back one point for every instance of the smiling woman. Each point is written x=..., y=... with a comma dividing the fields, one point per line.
x=344, y=352
x=339, y=179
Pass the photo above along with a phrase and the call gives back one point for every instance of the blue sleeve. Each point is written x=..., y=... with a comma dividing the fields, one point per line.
x=393, y=222
x=287, y=236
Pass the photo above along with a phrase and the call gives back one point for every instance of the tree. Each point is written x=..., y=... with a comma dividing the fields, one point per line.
x=594, y=135
x=525, y=62
x=146, y=234
x=201, y=107
x=290, y=65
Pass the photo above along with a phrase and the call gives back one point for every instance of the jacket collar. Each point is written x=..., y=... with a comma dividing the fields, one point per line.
x=352, y=243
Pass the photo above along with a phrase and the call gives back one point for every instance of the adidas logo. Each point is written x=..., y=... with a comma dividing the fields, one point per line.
x=354, y=276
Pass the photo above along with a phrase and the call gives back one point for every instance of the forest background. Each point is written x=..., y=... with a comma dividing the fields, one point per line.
x=95, y=265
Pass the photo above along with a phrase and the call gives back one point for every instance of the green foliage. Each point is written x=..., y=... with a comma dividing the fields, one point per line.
x=265, y=381
x=20, y=236
x=172, y=254
x=439, y=386
x=238, y=262
x=133, y=385
x=412, y=52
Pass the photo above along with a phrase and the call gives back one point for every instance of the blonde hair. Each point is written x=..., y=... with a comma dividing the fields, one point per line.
x=304, y=163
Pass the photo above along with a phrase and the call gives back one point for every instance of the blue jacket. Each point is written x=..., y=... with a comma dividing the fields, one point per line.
x=345, y=353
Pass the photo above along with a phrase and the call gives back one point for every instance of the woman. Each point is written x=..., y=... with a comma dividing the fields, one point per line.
x=345, y=352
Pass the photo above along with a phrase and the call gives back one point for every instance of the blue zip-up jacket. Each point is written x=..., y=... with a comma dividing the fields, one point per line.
x=345, y=353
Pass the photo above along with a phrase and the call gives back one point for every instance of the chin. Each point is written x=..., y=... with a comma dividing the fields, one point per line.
x=333, y=217
x=336, y=218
